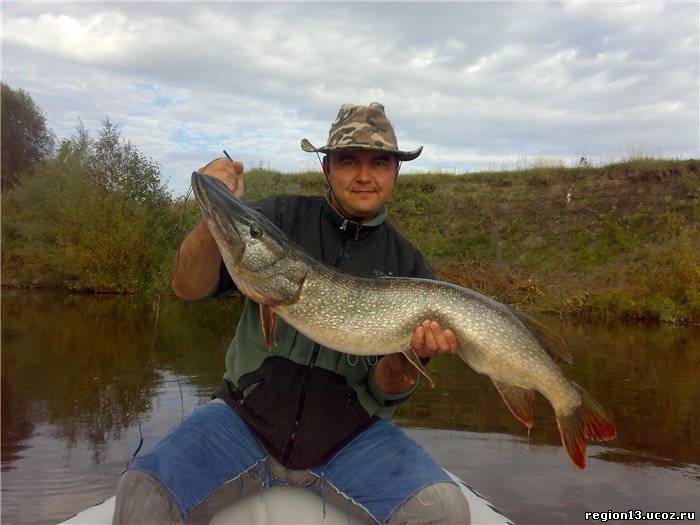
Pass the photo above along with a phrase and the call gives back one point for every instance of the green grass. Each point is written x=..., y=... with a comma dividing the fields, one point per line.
x=612, y=242
x=625, y=243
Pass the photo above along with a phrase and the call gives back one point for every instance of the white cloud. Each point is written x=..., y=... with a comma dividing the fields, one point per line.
x=473, y=82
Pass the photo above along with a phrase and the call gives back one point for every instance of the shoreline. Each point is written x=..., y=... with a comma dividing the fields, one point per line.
x=605, y=244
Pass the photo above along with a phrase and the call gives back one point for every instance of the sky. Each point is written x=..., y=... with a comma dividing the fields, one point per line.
x=480, y=85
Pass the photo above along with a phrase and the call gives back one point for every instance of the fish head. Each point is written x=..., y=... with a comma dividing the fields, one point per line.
x=257, y=253
x=220, y=211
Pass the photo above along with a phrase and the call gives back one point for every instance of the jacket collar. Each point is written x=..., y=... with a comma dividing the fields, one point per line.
x=358, y=230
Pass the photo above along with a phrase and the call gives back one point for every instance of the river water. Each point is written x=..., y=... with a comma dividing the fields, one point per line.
x=80, y=373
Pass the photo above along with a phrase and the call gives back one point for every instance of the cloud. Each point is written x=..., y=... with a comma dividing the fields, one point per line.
x=477, y=83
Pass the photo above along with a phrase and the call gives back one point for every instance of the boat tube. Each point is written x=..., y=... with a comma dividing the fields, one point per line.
x=289, y=504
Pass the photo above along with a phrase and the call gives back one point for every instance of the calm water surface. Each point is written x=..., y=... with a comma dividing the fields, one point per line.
x=80, y=372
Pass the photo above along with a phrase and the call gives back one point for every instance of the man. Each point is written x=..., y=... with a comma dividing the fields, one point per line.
x=302, y=413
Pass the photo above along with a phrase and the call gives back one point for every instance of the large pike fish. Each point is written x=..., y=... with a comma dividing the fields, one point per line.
x=378, y=316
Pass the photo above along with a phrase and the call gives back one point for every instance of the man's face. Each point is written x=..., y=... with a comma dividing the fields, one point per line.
x=361, y=180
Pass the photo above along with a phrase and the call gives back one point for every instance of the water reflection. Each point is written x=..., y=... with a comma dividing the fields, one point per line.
x=536, y=484
x=646, y=377
x=71, y=363
x=90, y=365
x=78, y=372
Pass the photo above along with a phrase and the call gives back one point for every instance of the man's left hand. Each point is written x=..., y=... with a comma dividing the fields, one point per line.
x=394, y=374
x=430, y=339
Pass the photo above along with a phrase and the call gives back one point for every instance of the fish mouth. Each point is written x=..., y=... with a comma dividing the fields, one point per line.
x=222, y=211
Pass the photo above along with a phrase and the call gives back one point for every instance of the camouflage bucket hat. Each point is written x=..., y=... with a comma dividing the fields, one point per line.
x=364, y=127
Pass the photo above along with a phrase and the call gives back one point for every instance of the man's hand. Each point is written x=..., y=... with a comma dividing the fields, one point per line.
x=430, y=339
x=394, y=374
x=227, y=171
x=197, y=263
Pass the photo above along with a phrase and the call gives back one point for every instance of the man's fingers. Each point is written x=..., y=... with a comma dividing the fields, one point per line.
x=238, y=179
x=222, y=167
x=417, y=341
x=227, y=171
x=451, y=339
x=445, y=338
x=439, y=336
x=430, y=341
x=214, y=165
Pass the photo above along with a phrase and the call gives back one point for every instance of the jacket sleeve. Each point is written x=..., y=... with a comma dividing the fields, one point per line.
x=386, y=399
x=270, y=208
x=421, y=268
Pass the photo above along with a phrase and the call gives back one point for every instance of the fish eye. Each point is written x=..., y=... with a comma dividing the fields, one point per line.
x=255, y=231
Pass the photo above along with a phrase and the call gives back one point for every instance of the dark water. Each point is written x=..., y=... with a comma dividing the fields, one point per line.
x=80, y=372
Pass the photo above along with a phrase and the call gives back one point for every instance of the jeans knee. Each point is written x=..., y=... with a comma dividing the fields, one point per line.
x=142, y=499
x=438, y=503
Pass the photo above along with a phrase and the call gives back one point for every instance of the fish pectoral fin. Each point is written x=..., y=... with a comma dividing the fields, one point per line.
x=413, y=358
x=268, y=322
x=518, y=400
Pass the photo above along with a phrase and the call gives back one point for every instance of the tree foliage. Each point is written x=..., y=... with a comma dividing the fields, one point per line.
x=118, y=166
x=25, y=137
x=94, y=217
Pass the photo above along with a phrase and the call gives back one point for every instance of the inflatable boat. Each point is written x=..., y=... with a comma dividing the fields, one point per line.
x=288, y=504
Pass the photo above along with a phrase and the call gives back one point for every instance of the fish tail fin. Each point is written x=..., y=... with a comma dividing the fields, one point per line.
x=587, y=422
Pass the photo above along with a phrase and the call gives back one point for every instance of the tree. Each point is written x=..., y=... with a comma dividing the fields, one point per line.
x=95, y=216
x=118, y=166
x=25, y=137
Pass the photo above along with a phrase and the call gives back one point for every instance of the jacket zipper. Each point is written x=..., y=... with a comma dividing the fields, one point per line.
x=302, y=403
x=308, y=373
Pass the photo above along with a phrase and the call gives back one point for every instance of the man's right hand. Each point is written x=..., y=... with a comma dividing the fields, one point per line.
x=198, y=261
x=227, y=171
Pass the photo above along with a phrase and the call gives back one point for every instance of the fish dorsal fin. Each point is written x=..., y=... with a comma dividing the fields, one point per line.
x=518, y=400
x=551, y=341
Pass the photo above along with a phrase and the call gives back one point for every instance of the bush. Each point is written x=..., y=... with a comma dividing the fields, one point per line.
x=95, y=217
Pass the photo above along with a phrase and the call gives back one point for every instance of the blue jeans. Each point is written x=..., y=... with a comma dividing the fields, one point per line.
x=378, y=470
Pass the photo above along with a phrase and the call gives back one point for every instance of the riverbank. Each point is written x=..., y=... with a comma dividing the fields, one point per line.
x=614, y=242
x=618, y=242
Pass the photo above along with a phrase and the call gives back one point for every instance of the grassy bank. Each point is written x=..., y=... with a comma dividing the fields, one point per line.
x=614, y=242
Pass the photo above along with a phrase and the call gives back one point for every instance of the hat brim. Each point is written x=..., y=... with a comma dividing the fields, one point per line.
x=401, y=155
